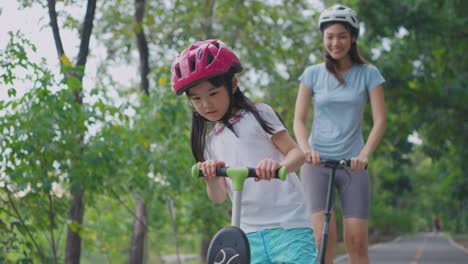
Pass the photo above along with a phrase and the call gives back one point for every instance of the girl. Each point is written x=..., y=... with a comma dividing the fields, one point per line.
x=230, y=130
x=340, y=88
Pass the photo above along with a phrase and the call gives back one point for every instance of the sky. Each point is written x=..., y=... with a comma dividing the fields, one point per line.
x=33, y=23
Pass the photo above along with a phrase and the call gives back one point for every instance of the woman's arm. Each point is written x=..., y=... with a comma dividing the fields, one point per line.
x=300, y=116
x=303, y=102
x=379, y=117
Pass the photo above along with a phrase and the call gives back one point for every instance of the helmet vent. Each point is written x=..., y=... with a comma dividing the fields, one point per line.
x=209, y=59
x=192, y=64
x=177, y=70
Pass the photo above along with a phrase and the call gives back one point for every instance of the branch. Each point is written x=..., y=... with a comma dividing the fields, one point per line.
x=51, y=226
x=117, y=197
x=23, y=223
x=55, y=28
x=209, y=18
x=86, y=34
x=142, y=45
x=7, y=212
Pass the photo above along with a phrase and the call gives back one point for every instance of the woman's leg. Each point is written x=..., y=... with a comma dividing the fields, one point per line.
x=315, y=182
x=356, y=240
x=318, y=220
x=355, y=202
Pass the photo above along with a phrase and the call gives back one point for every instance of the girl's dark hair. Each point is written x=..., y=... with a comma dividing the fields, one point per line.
x=237, y=101
x=330, y=62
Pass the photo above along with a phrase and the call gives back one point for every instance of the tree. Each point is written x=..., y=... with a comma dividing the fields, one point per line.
x=75, y=78
x=139, y=226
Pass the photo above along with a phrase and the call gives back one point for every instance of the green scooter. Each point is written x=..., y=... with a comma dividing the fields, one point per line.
x=230, y=244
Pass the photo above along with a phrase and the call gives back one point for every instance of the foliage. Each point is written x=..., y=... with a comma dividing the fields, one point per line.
x=139, y=145
x=426, y=72
x=35, y=151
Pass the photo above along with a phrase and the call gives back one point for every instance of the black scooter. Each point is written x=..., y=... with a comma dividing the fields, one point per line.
x=333, y=165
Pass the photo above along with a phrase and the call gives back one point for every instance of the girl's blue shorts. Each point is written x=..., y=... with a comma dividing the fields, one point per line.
x=292, y=246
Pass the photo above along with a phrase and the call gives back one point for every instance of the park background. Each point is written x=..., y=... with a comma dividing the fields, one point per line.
x=95, y=158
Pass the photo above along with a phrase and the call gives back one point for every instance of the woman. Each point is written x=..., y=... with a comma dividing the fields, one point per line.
x=340, y=88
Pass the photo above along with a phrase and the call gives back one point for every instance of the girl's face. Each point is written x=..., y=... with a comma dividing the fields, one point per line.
x=209, y=101
x=337, y=41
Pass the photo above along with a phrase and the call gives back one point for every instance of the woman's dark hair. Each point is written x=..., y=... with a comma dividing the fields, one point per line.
x=330, y=62
x=237, y=101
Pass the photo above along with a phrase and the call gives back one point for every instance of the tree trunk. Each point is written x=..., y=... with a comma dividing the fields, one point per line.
x=73, y=247
x=205, y=243
x=137, y=248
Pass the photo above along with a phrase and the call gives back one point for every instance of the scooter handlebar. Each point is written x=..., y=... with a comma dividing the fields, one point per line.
x=335, y=163
x=329, y=163
x=246, y=172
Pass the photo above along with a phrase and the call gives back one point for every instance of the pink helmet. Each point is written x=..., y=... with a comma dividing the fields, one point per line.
x=200, y=61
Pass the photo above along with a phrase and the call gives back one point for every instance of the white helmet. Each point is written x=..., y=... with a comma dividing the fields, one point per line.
x=340, y=13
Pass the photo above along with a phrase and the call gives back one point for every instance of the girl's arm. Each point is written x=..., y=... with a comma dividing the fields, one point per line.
x=215, y=186
x=217, y=189
x=377, y=102
x=293, y=155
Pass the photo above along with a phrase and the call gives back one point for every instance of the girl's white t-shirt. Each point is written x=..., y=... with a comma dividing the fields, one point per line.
x=265, y=204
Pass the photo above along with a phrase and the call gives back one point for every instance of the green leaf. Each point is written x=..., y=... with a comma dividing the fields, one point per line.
x=11, y=92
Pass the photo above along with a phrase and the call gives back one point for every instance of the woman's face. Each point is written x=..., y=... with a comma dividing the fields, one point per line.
x=209, y=101
x=337, y=41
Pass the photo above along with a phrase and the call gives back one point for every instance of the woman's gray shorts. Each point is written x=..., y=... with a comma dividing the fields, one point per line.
x=354, y=190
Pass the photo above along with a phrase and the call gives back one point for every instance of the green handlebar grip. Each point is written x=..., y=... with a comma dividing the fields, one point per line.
x=282, y=173
x=195, y=171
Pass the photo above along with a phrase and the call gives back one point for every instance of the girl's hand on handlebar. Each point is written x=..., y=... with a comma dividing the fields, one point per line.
x=359, y=163
x=266, y=169
x=312, y=156
x=208, y=168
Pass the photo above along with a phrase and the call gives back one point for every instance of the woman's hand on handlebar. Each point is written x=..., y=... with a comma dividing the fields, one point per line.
x=359, y=163
x=266, y=169
x=208, y=168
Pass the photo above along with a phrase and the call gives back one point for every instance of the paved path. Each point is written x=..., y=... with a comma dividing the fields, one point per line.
x=181, y=257
x=424, y=248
